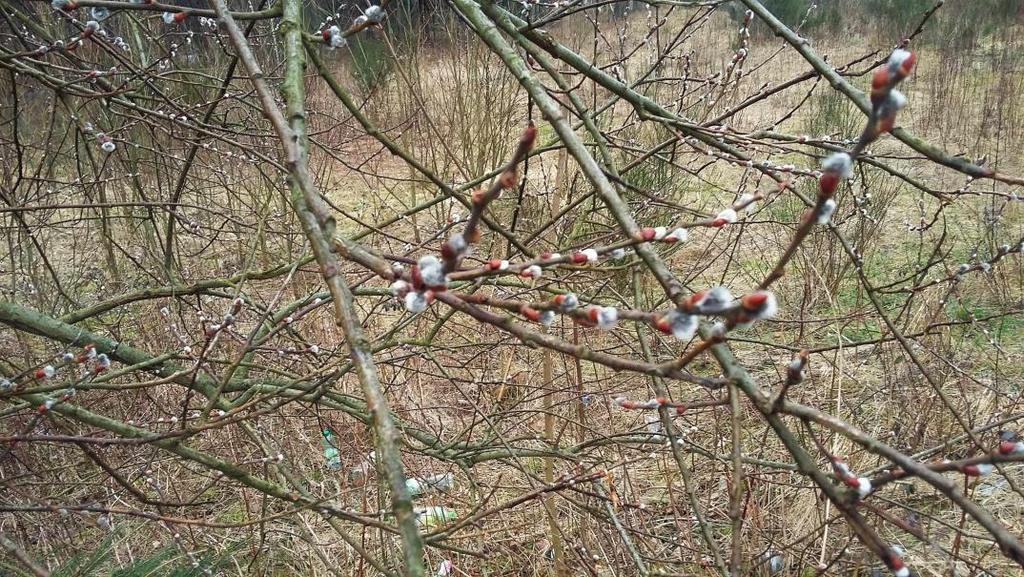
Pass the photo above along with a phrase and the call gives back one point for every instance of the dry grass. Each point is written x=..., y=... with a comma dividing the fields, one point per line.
x=455, y=110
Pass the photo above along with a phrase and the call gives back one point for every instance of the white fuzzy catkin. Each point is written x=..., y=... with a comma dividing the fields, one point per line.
x=863, y=487
x=546, y=318
x=825, y=213
x=728, y=215
x=840, y=163
x=607, y=318
x=533, y=271
x=678, y=235
x=769, y=308
x=569, y=302
x=897, y=58
x=682, y=325
x=416, y=302
x=431, y=271
x=375, y=14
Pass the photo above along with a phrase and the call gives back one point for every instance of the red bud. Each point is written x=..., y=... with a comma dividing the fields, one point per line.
x=828, y=183
x=661, y=323
x=880, y=79
x=754, y=301
x=908, y=64
x=508, y=178
x=528, y=138
x=530, y=313
x=896, y=562
x=584, y=321
x=885, y=124
x=691, y=301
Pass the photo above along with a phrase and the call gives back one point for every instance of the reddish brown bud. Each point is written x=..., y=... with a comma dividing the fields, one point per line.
x=719, y=222
x=661, y=323
x=908, y=65
x=886, y=123
x=896, y=562
x=448, y=251
x=508, y=178
x=525, y=143
x=880, y=79
x=474, y=236
x=691, y=301
x=494, y=264
x=180, y=17
x=478, y=195
x=86, y=354
x=528, y=138
x=416, y=278
x=647, y=234
x=579, y=258
x=828, y=183
x=754, y=301
x=530, y=313
x=584, y=321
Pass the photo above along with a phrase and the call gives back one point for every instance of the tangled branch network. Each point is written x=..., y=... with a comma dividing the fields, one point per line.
x=270, y=307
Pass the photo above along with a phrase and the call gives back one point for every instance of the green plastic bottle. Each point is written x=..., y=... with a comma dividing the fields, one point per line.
x=434, y=516
x=331, y=456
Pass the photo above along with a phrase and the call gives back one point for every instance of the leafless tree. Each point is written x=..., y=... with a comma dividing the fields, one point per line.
x=494, y=289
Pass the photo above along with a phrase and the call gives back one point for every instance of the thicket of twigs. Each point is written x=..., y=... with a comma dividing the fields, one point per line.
x=552, y=288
